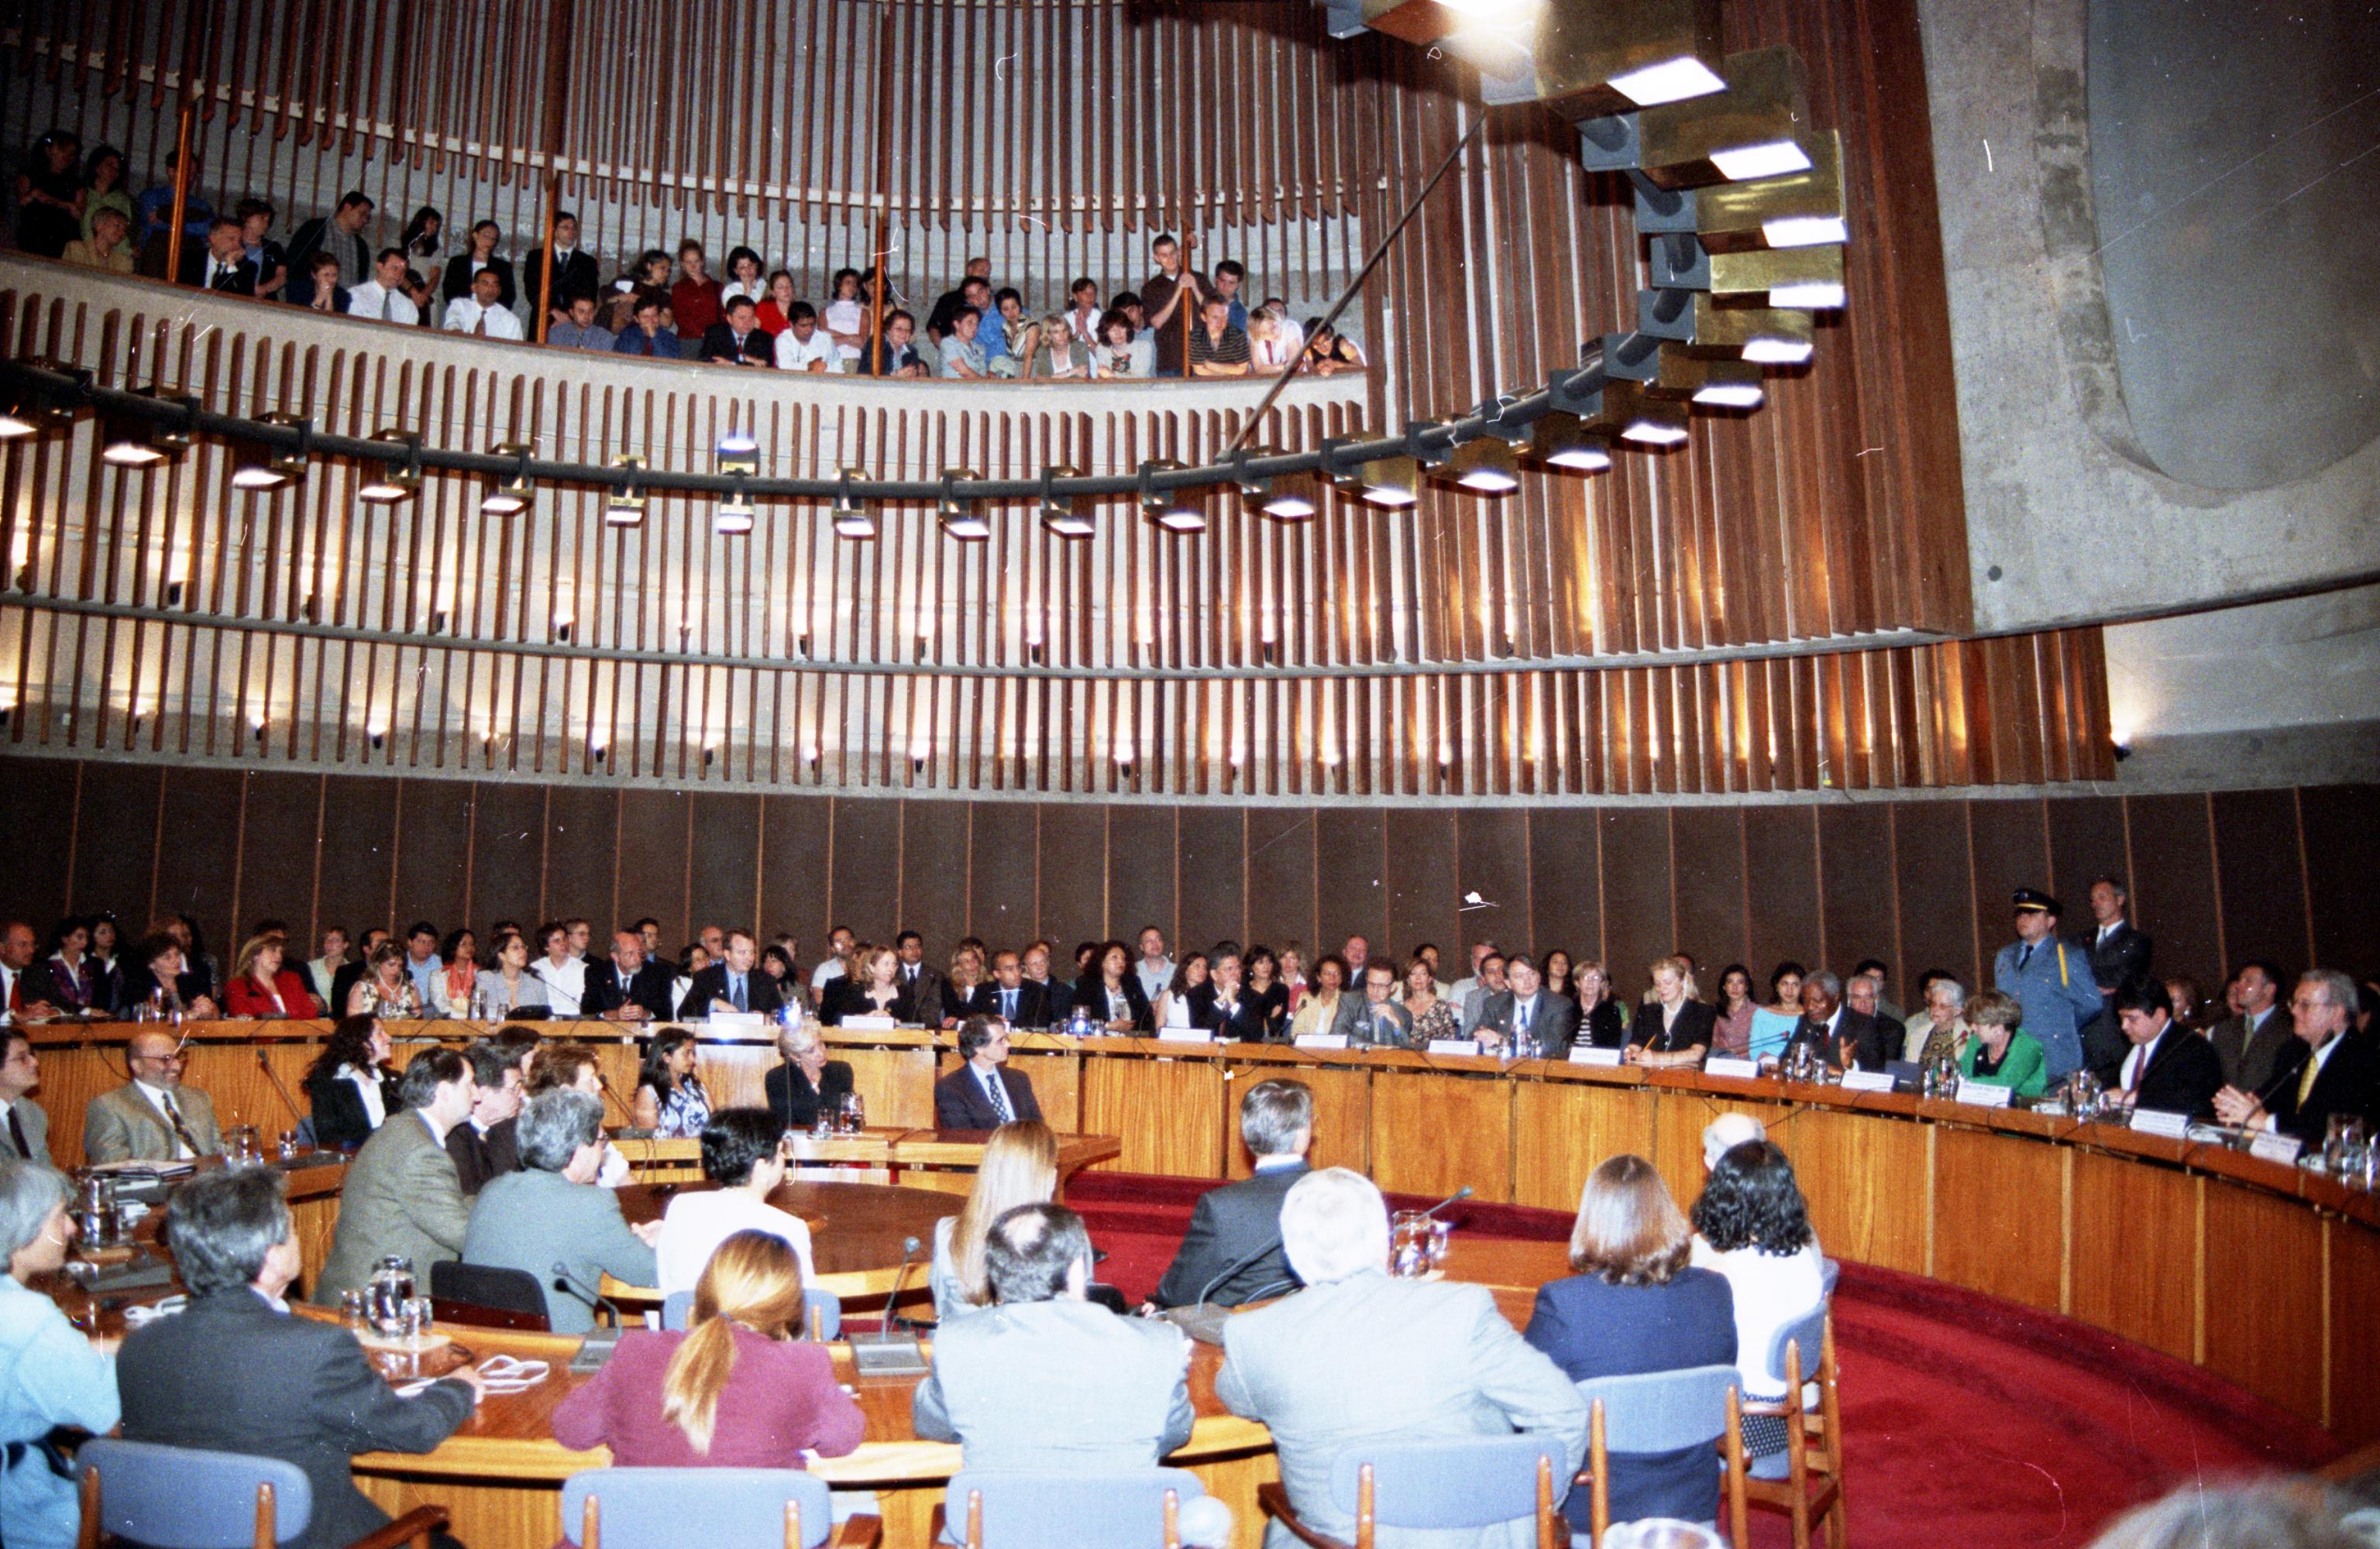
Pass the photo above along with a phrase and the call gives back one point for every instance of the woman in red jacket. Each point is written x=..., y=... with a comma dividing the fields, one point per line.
x=260, y=988
x=741, y=1390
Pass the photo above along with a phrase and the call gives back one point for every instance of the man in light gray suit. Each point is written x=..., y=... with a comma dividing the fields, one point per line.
x=552, y=1214
x=151, y=1117
x=1044, y=1380
x=26, y=1130
x=1358, y=1359
x=402, y=1195
x=1485, y=986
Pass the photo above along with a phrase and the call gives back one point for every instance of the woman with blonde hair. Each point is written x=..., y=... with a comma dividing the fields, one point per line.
x=1019, y=1167
x=1672, y=1028
x=738, y=1389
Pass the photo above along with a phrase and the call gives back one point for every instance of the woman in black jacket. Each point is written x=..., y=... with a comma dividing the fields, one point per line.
x=349, y=1085
x=1110, y=991
x=808, y=1084
x=877, y=991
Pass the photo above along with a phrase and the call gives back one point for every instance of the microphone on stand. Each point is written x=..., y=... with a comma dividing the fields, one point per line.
x=627, y=1113
x=1462, y=1194
x=890, y=1352
x=265, y=1064
x=598, y=1344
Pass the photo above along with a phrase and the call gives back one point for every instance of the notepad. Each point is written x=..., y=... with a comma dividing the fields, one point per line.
x=2276, y=1148
x=2157, y=1122
x=1985, y=1093
x=1867, y=1081
x=1185, y=1036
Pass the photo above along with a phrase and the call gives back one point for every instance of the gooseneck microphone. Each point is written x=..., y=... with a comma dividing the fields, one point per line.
x=890, y=1352
x=1462, y=1194
x=1223, y=1275
x=599, y=1342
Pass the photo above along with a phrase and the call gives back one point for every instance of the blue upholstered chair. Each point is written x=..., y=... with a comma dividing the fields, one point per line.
x=821, y=1313
x=706, y=1508
x=178, y=1497
x=1663, y=1411
x=1460, y=1482
x=1806, y=1481
x=1123, y=1509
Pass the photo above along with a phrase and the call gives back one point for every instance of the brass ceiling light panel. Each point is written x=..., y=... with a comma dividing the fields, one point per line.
x=737, y=514
x=1563, y=441
x=1176, y=511
x=1631, y=414
x=1590, y=58
x=1758, y=127
x=852, y=517
x=1807, y=278
x=1800, y=210
x=1393, y=482
x=1485, y=466
x=1761, y=334
x=389, y=484
x=263, y=472
x=1290, y=497
x=511, y=496
x=625, y=506
x=1709, y=381
x=1063, y=516
x=131, y=440
x=957, y=512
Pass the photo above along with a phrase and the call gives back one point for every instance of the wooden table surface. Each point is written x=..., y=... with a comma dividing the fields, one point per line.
x=857, y=1230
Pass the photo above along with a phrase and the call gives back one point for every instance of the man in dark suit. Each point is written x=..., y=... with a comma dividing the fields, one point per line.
x=1224, y=1006
x=24, y=1128
x=485, y=1146
x=235, y=1372
x=573, y=272
x=1010, y=996
x=2169, y=1069
x=222, y=264
x=983, y=1092
x=2256, y=1041
x=733, y=984
x=340, y=233
x=738, y=339
x=1844, y=1037
x=628, y=988
x=1232, y=1253
x=915, y=974
x=2339, y=1073
x=2118, y=953
x=1527, y=1007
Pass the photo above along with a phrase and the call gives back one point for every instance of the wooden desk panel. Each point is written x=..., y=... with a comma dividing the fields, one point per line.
x=1562, y=1131
x=2264, y=1289
x=1343, y=1113
x=2135, y=1251
x=895, y=1084
x=1057, y=1077
x=1168, y=1111
x=1431, y=1134
x=1997, y=1215
x=1865, y=1179
x=2354, y=1257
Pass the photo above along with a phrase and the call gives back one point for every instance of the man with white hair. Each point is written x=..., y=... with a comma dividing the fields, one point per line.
x=1725, y=1133
x=1358, y=1359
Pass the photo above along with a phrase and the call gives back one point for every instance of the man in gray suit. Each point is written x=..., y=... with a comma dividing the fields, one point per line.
x=151, y=1117
x=1381, y=1020
x=2252, y=1041
x=27, y=1133
x=552, y=1214
x=402, y=1195
x=1358, y=1359
x=1526, y=1007
x=1482, y=987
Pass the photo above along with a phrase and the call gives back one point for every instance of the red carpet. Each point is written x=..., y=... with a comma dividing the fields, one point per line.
x=1971, y=1423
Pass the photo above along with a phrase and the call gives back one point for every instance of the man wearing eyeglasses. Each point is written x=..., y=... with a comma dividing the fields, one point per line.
x=151, y=1117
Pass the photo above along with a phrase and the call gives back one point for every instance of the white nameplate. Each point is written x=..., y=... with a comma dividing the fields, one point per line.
x=1185, y=1034
x=2276, y=1148
x=1588, y=1054
x=1320, y=1040
x=2157, y=1121
x=1720, y=1065
x=1454, y=1045
x=1867, y=1081
x=869, y=1025
x=735, y=1022
x=1985, y=1093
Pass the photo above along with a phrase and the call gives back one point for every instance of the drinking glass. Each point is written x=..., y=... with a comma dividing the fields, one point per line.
x=355, y=1309
x=2342, y=1148
x=1409, y=1239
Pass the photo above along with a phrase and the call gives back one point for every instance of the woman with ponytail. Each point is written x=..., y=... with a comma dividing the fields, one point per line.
x=740, y=1389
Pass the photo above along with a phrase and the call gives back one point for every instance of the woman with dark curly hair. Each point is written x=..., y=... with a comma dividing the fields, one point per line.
x=1753, y=1227
x=348, y=1084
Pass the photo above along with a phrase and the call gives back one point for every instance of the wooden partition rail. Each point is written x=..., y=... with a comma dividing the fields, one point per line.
x=2163, y=1241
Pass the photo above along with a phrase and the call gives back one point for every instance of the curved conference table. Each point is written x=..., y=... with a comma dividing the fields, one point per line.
x=2266, y=1275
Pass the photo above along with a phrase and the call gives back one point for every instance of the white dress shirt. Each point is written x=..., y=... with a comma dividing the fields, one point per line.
x=565, y=983
x=695, y=1224
x=372, y=299
x=796, y=354
x=467, y=316
x=156, y=1096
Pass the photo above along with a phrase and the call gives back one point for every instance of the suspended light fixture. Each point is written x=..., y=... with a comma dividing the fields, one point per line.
x=27, y=411
x=625, y=506
x=1176, y=511
x=131, y=440
x=1393, y=482
x=736, y=513
x=279, y=469
x=1285, y=497
x=1063, y=515
x=391, y=485
x=513, y=495
x=1563, y=441
x=1757, y=127
x=957, y=512
x=1484, y=466
x=852, y=517
x=1709, y=381
x=739, y=451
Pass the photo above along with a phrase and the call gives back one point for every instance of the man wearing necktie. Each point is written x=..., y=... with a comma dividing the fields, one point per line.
x=983, y=1093
x=1010, y=996
x=20, y=1071
x=482, y=313
x=1222, y=1004
x=734, y=982
x=152, y=1117
x=918, y=977
x=631, y=987
x=222, y=264
x=2054, y=984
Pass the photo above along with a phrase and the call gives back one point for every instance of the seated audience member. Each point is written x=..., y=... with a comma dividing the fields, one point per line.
x=1823, y=1023
x=50, y=199
x=631, y=987
x=1232, y=1253
x=234, y=1372
x=221, y=263
x=1725, y=1133
x=1486, y=983
x=485, y=1146
x=2170, y=1069
x=1009, y=996
x=897, y=353
x=480, y=313
x=1224, y=1005
x=1526, y=1011
x=578, y=329
x=1117, y=351
x=974, y=291
x=733, y=984
x=350, y=1087
x=1382, y=1021
x=1674, y=1028
x=873, y=989
x=159, y=977
x=402, y=1193
x=465, y=267
x=776, y=303
x=963, y=357
x=1731, y=1018
x=151, y=1117
x=808, y=1084
x=574, y=1067
x=1939, y=1031
x=1218, y=346
x=1773, y=1024
x=53, y=1377
x=108, y=247
x=736, y=339
x=553, y=1212
x=1019, y=1167
x=983, y=1092
x=670, y=1097
x=340, y=233
x=508, y=984
x=739, y=1389
x=1112, y=993
x=1752, y=1225
x=383, y=295
x=262, y=987
x=1873, y=999
x=2284, y=1514
x=2255, y=1042
x=1269, y=994
x=954, y=999
x=571, y=270
x=744, y=1153
x=1328, y=1009
x=845, y=317
x=1044, y=1380
x=1359, y=1358
x=1995, y=1053
x=386, y=990
x=644, y=334
x=28, y=1126
x=66, y=976
x=1058, y=354
x=1170, y=1007
x=2333, y=1071
x=562, y=969
x=25, y=985
x=1633, y=1306
x=326, y=294
x=803, y=346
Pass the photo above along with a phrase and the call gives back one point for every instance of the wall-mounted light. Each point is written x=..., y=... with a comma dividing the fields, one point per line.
x=1063, y=516
x=512, y=496
x=625, y=506
x=736, y=513
x=1285, y=497
x=1757, y=127
x=739, y=451
x=957, y=513
x=388, y=483
x=262, y=473
x=1563, y=441
x=1484, y=467
x=1174, y=510
x=852, y=517
x=27, y=411
x=131, y=440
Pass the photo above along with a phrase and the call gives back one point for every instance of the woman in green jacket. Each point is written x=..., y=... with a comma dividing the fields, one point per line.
x=1997, y=1053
